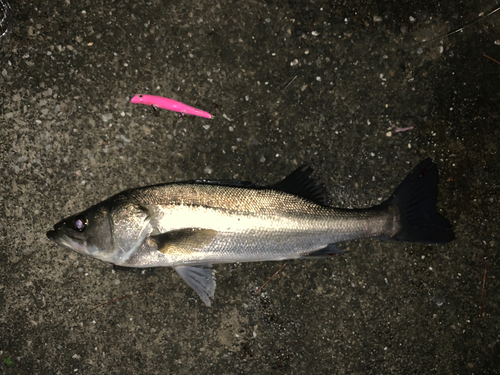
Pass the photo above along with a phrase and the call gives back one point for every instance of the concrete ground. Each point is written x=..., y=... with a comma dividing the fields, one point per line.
x=290, y=83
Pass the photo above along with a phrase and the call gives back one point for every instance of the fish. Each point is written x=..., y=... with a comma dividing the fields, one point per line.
x=192, y=225
x=170, y=104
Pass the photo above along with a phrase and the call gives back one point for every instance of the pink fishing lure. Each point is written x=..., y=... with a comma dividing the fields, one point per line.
x=170, y=104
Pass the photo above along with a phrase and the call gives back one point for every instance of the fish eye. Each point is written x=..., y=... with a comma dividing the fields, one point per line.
x=80, y=223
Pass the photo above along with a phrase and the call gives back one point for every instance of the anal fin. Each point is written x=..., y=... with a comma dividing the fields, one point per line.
x=201, y=279
x=327, y=251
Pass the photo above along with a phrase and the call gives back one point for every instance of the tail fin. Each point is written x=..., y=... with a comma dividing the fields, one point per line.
x=415, y=201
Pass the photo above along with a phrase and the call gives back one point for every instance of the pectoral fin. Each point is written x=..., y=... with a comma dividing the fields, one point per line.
x=183, y=241
x=201, y=279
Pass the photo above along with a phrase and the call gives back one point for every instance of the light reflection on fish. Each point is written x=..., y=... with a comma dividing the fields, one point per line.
x=191, y=225
x=6, y=21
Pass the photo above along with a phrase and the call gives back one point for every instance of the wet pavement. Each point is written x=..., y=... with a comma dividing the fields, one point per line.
x=322, y=83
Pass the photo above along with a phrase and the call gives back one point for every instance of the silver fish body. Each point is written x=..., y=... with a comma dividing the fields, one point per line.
x=191, y=225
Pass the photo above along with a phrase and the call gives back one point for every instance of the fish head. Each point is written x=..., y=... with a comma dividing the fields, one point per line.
x=88, y=232
x=109, y=232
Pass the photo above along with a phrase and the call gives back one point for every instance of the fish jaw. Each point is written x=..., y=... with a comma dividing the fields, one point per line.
x=71, y=243
x=80, y=246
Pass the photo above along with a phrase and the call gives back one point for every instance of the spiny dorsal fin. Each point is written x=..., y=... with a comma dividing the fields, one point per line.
x=232, y=183
x=300, y=183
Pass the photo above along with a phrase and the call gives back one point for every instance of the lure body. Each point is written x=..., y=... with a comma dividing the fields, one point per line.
x=170, y=104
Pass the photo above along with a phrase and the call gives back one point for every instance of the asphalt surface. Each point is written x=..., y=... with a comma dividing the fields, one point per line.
x=322, y=83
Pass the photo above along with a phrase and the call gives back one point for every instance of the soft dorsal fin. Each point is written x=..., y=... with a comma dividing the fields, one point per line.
x=300, y=183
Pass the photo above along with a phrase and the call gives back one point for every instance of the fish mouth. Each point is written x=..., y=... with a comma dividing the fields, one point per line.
x=61, y=238
x=57, y=235
x=52, y=235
